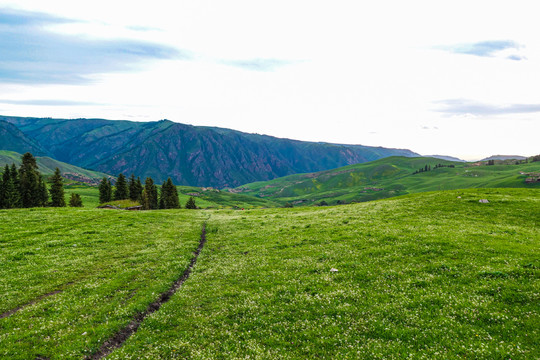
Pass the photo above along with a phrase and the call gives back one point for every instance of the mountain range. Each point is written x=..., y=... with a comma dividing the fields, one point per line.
x=190, y=155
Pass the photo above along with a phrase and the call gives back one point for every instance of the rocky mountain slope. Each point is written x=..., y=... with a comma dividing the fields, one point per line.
x=191, y=155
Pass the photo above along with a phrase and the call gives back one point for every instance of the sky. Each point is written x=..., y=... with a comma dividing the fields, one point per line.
x=459, y=78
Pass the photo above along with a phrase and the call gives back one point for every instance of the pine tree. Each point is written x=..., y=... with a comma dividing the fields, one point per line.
x=104, y=190
x=150, y=192
x=75, y=200
x=138, y=189
x=172, y=199
x=169, y=196
x=121, y=192
x=135, y=188
x=10, y=191
x=190, y=203
x=57, y=190
x=29, y=186
x=15, y=195
x=162, y=197
x=109, y=190
x=43, y=193
x=2, y=189
x=145, y=202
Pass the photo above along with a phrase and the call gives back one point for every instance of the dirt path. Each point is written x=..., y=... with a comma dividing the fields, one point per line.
x=121, y=336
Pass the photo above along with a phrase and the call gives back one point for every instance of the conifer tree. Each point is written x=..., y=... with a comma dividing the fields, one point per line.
x=75, y=200
x=135, y=188
x=139, y=189
x=121, y=192
x=174, y=202
x=57, y=190
x=29, y=186
x=162, y=197
x=145, y=202
x=169, y=196
x=2, y=189
x=150, y=195
x=10, y=190
x=190, y=203
x=109, y=190
x=15, y=194
x=105, y=190
x=43, y=193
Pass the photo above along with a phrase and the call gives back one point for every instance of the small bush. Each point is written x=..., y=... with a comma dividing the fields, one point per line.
x=75, y=200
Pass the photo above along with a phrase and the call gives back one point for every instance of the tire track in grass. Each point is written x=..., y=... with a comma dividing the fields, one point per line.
x=121, y=336
x=20, y=307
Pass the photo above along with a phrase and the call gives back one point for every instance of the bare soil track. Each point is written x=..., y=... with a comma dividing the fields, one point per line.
x=121, y=336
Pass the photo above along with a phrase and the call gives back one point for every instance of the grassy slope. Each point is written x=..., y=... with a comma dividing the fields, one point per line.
x=47, y=166
x=109, y=264
x=211, y=198
x=427, y=275
x=394, y=175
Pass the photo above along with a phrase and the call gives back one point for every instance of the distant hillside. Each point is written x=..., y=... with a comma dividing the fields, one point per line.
x=12, y=139
x=191, y=155
x=444, y=157
x=505, y=157
x=47, y=166
x=389, y=177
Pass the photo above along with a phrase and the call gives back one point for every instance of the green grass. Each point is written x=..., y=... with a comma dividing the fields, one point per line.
x=122, y=203
x=209, y=198
x=388, y=177
x=109, y=265
x=425, y=276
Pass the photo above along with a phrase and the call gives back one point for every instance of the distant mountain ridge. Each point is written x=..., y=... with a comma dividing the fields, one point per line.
x=12, y=139
x=444, y=157
x=191, y=155
x=505, y=157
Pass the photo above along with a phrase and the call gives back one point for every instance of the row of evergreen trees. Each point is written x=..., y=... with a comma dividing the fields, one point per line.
x=25, y=188
x=147, y=195
x=428, y=168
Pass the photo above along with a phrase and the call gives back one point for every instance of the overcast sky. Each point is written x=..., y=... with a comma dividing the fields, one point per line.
x=457, y=78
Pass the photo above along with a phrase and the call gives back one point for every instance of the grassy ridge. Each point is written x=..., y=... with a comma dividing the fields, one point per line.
x=385, y=178
x=427, y=276
x=108, y=265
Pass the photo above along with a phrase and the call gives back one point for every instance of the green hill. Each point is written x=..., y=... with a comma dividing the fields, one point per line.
x=389, y=177
x=435, y=275
x=47, y=166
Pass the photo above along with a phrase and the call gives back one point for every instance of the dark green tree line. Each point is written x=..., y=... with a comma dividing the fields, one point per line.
x=25, y=187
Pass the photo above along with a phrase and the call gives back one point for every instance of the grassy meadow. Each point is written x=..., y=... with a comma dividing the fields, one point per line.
x=388, y=177
x=80, y=275
x=434, y=275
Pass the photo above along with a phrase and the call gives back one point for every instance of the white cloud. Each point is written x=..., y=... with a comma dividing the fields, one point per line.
x=341, y=71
